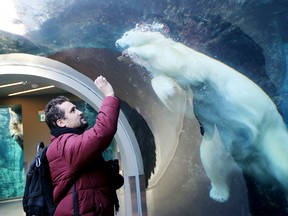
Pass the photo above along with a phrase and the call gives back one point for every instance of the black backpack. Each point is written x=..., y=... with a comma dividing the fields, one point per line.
x=38, y=193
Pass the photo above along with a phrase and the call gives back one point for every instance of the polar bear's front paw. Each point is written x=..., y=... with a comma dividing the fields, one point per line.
x=219, y=195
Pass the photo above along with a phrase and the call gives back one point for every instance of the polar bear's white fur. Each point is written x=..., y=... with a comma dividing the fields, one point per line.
x=238, y=118
x=219, y=167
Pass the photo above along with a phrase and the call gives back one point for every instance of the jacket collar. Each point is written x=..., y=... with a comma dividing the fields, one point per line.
x=56, y=132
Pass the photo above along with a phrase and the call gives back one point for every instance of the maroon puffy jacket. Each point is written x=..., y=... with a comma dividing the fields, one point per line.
x=81, y=155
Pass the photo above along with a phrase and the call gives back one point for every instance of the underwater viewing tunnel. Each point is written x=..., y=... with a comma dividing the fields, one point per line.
x=203, y=89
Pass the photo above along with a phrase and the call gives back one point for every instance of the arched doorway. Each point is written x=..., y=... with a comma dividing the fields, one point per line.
x=63, y=76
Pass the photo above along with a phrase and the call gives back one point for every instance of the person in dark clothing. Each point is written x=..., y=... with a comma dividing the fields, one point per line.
x=75, y=154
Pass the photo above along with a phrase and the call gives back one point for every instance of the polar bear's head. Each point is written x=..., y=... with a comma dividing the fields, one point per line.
x=140, y=35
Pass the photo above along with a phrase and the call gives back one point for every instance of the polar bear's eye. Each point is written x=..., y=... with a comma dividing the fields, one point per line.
x=126, y=34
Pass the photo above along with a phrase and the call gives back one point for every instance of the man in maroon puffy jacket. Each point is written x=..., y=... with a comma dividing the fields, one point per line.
x=75, y=155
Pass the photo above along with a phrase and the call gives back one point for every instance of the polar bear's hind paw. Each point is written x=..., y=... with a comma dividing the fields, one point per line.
x=219, y=195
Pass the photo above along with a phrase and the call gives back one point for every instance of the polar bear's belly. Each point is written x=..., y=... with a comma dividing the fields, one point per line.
x=213, y=109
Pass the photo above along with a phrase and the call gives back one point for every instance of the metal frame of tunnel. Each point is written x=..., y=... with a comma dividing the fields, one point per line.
x=63, y=76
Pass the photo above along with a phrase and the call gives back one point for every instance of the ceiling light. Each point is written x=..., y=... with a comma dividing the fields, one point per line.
x=32, y=90
x=12, y=84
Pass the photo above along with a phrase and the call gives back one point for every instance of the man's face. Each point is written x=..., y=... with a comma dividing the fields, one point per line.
x=73, y=116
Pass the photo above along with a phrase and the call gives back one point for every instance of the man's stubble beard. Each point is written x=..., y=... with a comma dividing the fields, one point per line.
x=83, y=125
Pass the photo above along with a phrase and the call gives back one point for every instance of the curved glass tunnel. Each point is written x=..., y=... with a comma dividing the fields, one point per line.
x=202, y=129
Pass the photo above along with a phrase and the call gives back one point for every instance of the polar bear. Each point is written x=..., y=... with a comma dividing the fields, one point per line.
x=240, y=121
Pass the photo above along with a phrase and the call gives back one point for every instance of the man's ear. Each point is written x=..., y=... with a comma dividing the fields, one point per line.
x=61, y=122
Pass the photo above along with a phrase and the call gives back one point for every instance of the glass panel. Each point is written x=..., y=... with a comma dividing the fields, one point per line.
x=11, y=152
x=204, y=84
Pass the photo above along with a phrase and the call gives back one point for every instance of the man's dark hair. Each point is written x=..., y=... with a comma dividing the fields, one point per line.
x=53, y=112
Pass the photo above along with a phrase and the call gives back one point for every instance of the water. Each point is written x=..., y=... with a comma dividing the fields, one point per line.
x=249, y=36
